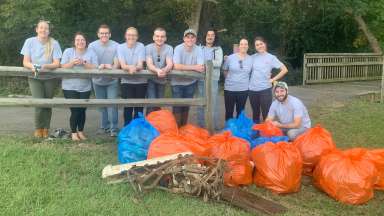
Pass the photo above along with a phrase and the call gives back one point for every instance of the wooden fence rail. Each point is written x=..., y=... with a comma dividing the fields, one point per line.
x=339, y=67
x=10, y=71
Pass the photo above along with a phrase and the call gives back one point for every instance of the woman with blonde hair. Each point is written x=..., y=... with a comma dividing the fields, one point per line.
x=41, y=53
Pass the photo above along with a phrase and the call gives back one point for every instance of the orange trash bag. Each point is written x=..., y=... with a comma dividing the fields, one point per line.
x=377, y=157
x=173, y=143
x=239, y=171
x=314, y=143
x=278, y=167
x=194, y=134
x=224, y=146
x=162, y=120
x=267, y=129
x=347, y=176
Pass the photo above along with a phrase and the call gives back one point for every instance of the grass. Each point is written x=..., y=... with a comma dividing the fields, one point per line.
x=63, y=178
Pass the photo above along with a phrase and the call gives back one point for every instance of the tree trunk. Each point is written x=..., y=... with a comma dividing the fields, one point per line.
x=194, y=21
x=374, y=44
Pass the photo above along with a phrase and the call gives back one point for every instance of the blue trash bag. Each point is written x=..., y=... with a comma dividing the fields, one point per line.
x=241, y=127
x=134, y=140
x=262, y=140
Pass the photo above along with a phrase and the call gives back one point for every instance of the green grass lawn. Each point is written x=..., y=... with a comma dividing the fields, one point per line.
x=63, y=178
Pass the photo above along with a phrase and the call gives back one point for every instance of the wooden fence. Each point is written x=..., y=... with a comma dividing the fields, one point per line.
x=67, y=73
x=339, y=67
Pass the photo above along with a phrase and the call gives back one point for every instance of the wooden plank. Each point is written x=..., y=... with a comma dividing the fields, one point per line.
x=304, y=69
x=382, y=84
x=116, y=171
x=342, y=54
x=62, y=102
x=251, y=202
x=88, y=73
x=208, y=97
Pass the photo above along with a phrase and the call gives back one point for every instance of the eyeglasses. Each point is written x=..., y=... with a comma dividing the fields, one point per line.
x=241, y=64
x=158, y=58
x=104, y=33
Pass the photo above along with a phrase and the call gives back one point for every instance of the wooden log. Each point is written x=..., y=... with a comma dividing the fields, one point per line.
x=322, y=64
x=208, y=98
x=62, y=102
x=250, y=202
x=88, y=73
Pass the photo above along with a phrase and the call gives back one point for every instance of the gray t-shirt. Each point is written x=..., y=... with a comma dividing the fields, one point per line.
x=131, y=56
x=35, y=50
x=105, y=55
x=78, y=84
x=238, y=72
x=215, y=54
x=290, y=109
x=182, y=56
x=159, y=59
x=261, y=71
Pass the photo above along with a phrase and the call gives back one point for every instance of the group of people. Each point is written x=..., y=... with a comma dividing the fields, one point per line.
x=245, y=76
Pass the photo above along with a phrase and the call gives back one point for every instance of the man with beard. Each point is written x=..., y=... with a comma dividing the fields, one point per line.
x=288, y=112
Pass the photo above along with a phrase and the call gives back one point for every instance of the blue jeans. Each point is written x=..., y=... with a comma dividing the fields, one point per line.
x=154, y=90
x=183, y=91
x=108, y=115
x=215, y=104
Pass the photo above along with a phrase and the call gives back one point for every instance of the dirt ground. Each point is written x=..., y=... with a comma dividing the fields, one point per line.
x=19, y=120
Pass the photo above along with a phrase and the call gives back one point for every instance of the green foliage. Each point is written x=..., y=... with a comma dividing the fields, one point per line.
x=291, y=27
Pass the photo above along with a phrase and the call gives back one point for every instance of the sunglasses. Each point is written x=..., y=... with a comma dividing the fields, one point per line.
x=158, y=58
x=241, y=64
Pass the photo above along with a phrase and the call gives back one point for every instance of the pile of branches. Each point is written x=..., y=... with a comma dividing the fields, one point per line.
x=196, y=176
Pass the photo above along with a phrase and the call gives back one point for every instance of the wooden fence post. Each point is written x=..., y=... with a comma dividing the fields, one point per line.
x=382, y=82
x=304, y=68
x=208, y=96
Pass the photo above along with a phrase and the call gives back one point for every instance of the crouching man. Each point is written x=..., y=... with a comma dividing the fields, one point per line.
x=288, y=112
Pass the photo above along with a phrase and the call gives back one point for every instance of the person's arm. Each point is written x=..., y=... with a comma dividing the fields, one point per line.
x=283, y=71
x=183, y=67
x=218, y=57
x=67, y=62
x=27, y=63
x=295, y=124
x=150, y=66
x=169, y=64
x=55, y=64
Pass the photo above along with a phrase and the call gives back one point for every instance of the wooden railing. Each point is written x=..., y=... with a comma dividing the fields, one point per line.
x=340, y=67
x=67, y=73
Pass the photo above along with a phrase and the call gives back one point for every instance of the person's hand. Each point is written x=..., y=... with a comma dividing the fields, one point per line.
x=277, y=124
x=161, y=73
x=101, y=66
x=131, y=69
x=77, y=61
x=107, y=66
x=200, y=68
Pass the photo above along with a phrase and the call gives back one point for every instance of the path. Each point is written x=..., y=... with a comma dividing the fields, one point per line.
x=20, y=120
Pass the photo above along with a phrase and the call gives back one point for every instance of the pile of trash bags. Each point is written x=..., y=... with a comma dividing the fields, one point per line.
x=260, y=154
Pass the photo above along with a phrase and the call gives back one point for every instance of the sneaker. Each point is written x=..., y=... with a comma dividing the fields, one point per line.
x=101, y=131
x=113, y=133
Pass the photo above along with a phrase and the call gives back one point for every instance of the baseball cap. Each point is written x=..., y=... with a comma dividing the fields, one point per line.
x=281, y=84
x=190, y=31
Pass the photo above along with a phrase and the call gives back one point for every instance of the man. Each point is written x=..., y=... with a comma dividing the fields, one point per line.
x=187, y=57
x=105, y=87
x=288, y=112
x=159, y=61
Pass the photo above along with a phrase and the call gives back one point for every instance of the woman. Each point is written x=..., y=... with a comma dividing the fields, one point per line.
x=212, y=52
x=131, y=55
x=41, y=53
x=237, y=69
x=78, y=57
x=260, y=84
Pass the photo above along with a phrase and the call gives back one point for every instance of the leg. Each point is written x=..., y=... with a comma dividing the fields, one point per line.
x=37, y=89
x=177, y=93
x=188, y=92
x=254, y=99
x=140, y=92
x=293, y=133
x=151, y=93
x=200, y=109
x=101, y=93
x=127, y=92
x=82, y=116
x=241, y=99
x=74, y=113
x=265, y=102
x=229, y=102
x=49, y=90
x=113, y=112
